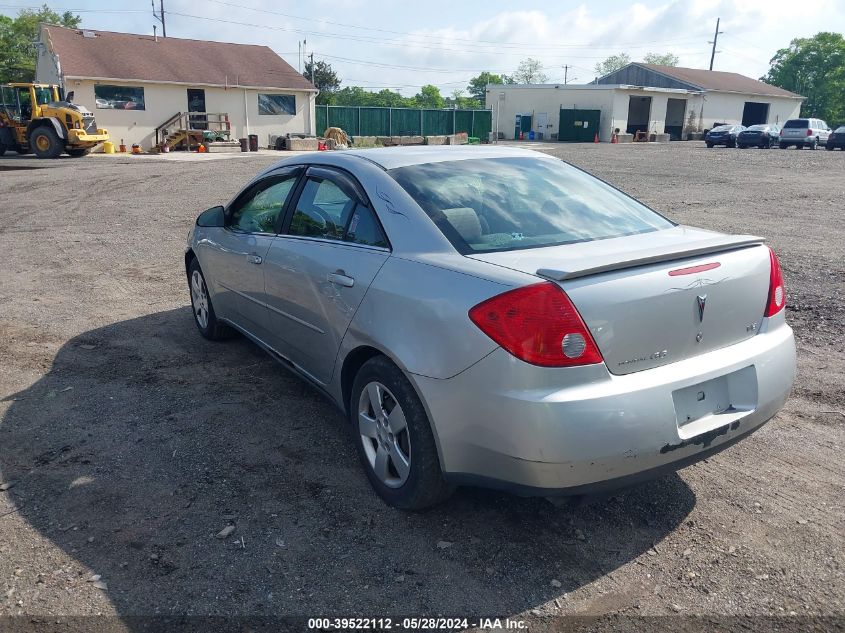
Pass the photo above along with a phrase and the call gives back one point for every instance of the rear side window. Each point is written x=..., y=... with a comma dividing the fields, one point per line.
x=322, y=211
x=796, y=123
x=499, y=204
x=325, y=211
x=364, y=228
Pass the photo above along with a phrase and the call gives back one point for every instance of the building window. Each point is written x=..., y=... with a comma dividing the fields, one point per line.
x=276, y=104
x=119, y=97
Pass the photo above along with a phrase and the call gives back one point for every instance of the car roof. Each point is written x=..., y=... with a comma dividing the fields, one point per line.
x=393, y=157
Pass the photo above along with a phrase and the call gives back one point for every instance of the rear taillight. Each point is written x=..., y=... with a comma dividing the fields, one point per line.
x=777, y=293
x=809, y=132
x=537, y=324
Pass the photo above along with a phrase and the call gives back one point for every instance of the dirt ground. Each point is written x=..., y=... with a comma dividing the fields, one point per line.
x=127, y=442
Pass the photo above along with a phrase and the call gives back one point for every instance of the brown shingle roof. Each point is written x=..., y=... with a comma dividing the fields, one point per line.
x=718, y=80
x=140, y=57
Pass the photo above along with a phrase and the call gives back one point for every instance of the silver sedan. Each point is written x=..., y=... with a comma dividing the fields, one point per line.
x=496, y=317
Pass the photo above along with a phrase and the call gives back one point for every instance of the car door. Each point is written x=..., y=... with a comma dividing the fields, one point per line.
x=319, y=268
x=234, y=260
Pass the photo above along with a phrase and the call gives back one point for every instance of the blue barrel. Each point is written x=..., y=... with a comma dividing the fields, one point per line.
x=531, y=135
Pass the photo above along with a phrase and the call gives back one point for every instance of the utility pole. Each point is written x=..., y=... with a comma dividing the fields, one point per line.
x=312, y=69
x=715, y=39
x=565, y=75
x=160, y=16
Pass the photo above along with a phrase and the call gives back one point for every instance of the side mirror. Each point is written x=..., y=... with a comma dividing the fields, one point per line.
x=213, y=217
x=69, y=97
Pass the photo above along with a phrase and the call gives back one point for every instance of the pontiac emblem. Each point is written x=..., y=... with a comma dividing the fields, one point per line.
x=702, y=302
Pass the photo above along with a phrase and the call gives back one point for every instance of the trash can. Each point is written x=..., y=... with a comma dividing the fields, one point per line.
x=253, y=142
x=244, y=144
x=531, y=135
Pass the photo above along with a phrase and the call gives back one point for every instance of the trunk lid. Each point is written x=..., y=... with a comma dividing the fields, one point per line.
x=656, y=298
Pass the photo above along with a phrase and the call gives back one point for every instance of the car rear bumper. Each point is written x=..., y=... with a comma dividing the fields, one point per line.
x=548, y=431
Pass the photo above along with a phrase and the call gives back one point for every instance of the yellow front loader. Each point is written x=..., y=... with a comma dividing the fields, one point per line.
x=33, y=118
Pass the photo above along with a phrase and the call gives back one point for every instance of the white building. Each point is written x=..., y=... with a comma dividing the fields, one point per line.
x=641, y=97
x=135, y=83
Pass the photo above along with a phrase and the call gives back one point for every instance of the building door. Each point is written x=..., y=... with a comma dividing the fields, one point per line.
x=639, y=114
x=755, y=113
x=542, y=124
x=196, y=103
x=675, y=111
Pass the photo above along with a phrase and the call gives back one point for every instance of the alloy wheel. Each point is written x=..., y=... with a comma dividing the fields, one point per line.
x=384, y=434
x=199, y=299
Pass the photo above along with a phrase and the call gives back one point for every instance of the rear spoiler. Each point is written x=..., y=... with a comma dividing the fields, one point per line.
x=611, y=262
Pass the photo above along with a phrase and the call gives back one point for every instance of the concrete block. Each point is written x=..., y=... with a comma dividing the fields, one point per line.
x=395, y=140
x=416, y=140
x=301, y=144
x=223, y=147
x=625, y=138
x=385, y=141
x=662, y=138
x=435, y=140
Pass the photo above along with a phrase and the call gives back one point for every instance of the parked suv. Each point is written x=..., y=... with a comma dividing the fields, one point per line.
x=804, y=133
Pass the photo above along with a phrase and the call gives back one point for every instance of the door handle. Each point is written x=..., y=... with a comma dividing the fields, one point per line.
x=341, y=279
x=254, y=259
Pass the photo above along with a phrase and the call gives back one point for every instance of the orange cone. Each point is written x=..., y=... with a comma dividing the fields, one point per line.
x=614, y=138
x=596, y=140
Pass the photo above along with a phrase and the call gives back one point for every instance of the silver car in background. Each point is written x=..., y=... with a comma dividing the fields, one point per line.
x=496, y=317
x=804, y=133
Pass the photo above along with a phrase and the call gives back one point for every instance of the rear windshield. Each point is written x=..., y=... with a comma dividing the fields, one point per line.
x=796, y=123
x=500, y=204
x=840, y=130
x=722, y=128
x=757, y=128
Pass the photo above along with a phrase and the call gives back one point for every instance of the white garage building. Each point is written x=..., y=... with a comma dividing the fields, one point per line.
x=136, y=84
x=639, y=97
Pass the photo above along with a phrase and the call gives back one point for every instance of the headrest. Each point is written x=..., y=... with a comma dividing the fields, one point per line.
x=465, y=221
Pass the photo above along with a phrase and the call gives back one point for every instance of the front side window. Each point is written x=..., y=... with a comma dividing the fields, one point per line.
x=119, y=97
x=258, y=209
x=499, y=204
x=276, y=104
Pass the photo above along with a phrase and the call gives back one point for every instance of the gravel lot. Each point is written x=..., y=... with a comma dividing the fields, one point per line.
x=130, y=442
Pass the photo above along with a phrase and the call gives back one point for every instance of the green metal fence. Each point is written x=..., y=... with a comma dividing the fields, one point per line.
x=370, y=121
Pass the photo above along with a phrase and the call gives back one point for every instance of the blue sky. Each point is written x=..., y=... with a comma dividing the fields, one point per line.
x=404, y=45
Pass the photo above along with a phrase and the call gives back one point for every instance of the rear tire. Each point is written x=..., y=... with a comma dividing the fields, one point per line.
x=393, y=437
x=45, y=142
x=204, y=316
x=814, y=144
x=710, y=145
x=77, y=152
x=2, y=149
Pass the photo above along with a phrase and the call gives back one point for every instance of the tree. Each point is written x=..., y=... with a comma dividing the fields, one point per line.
x=429, y=97
x=477, y=87
x=529, y=71
x=612, y=64
x=17, y=53
x=325, y=79
x=458, y=100
x=665, y=59
x=813, y=67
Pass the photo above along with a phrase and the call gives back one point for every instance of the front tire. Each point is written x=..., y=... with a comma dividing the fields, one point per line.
x=782, y=145
x=710, y=145
x=2, y=149
x=45, y=142
x=393, y=437
x=204, y=316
